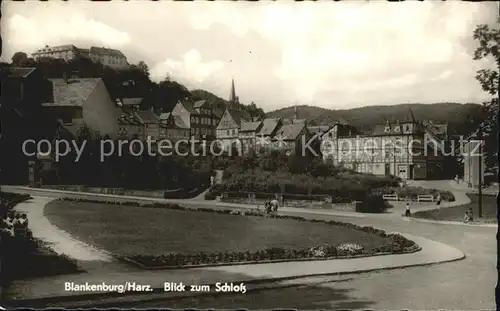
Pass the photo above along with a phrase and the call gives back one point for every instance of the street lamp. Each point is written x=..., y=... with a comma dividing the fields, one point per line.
x=480, y=135
x=480, y=182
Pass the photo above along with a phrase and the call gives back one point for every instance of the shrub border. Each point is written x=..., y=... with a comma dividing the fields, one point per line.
x=8, y=278
x=396, y=238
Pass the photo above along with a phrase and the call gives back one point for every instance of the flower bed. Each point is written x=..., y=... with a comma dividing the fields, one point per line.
x=397, y=244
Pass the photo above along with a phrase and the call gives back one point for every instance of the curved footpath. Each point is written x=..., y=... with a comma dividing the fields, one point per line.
x=62, y=242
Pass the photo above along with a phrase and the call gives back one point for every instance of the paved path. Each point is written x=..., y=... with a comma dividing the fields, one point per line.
x=443, y=286
x=59, y=240
x=217, y=180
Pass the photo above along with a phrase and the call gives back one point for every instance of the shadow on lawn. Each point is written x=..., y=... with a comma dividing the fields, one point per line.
x=457, y=213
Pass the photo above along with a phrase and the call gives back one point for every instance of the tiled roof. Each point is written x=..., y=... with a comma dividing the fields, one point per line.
x=235, y=115
x=20, y=72
x=147, y=116
x=290, y=131
x=179, y=123
x=106, y=51
x=199, y=103
x=218, y=112
x=250, y=126
x=132, y=101
x=268, y=126
x=318, y=129
x=129, y=119
x=294, y=121
x=73, y=93
x=436, y=129
x=165, y=115
x=188, y=105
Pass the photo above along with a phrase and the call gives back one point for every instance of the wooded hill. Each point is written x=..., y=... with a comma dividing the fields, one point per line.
x=461, y=118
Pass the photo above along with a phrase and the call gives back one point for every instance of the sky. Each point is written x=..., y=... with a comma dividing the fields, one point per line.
x=333, y=55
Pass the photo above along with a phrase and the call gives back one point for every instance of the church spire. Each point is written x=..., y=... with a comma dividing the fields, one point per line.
x=232, y=96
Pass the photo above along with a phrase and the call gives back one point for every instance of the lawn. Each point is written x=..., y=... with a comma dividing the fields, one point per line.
x=128, y=230
x=458, y=213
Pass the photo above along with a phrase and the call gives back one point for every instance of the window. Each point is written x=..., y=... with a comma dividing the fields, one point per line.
x=228, y=133
x=387, y=129
x=397, y=129
x=407, y=128
x=66, y=117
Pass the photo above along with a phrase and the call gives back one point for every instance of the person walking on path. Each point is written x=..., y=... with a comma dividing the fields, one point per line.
x=456, y=179
x=438, y=200
x=407, y=211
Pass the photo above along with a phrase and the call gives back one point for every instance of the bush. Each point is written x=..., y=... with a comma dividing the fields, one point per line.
x=373, y=204
x=210, y=195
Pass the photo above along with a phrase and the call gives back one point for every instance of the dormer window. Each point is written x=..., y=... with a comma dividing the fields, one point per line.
x=407, y=128
x=397, y=128
x=387, y=129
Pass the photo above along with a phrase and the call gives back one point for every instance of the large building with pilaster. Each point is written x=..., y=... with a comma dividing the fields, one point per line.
x=408, y=149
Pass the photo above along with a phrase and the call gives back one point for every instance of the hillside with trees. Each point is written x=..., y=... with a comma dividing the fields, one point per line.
x=133, y=82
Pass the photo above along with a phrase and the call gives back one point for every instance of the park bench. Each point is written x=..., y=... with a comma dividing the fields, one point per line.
x=425, y=198
x=390, y=197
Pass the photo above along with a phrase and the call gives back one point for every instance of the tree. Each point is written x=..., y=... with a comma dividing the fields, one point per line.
x=254, y=111
x=489, y=46
x=488, y=39
x=19, y=58
x=143, y=67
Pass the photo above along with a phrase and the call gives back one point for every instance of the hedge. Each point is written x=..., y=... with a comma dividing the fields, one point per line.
x=33, y=259
x=398, y=245
x=345, y=186
x=24, y=257
x=411, y=192
x=8, y=200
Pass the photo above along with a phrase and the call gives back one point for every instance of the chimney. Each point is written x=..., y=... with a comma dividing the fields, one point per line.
x=65, y=77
